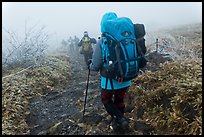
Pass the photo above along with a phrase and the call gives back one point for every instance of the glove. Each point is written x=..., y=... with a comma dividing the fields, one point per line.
x=89, y=61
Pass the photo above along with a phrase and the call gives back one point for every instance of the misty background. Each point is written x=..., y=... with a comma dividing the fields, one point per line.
x=64, y=19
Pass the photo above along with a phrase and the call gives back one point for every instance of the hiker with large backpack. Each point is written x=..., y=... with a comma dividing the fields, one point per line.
x=86, y=48
x=119, y=58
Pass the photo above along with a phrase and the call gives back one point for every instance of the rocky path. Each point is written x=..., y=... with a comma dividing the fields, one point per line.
x=60, y=112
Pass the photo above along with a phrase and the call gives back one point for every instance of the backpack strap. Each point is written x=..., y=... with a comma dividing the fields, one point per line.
x=117, y=50
x=106, y=83
x=111, y=83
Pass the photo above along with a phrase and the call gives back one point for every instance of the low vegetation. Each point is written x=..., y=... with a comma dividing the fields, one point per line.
x=52, y=74
x=172, y=98
x=168, y=96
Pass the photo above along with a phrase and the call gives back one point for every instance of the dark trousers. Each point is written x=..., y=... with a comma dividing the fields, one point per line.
x=114, y=105
x=87, y=56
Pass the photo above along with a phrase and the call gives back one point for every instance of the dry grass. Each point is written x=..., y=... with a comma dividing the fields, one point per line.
x=172, y=98
x=17, y=90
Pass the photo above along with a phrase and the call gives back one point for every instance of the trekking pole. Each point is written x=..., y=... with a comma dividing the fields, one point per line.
x=87, y=85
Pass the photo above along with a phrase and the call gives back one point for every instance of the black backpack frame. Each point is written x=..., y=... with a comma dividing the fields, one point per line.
x=140, y=33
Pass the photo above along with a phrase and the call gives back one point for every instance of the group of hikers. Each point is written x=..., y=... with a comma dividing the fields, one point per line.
x=84, y=46
x=118, y=55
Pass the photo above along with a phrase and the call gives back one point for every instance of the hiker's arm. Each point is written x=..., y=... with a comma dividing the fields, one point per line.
x=97, y=59
x=93, y=40
x=80, y=43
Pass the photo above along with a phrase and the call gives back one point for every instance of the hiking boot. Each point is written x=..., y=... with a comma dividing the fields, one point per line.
x=115, y=125
x=120, y=124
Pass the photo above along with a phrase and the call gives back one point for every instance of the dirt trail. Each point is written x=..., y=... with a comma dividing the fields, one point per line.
x=66, y=106
x=60, y=112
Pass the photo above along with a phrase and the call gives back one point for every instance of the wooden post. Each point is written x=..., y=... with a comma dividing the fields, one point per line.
x=157, y=44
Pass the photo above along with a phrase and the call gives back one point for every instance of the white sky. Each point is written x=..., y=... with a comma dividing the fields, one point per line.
x=65, y=19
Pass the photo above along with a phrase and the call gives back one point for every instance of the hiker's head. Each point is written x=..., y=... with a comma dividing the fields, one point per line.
x=86, y=34
x=107, y=16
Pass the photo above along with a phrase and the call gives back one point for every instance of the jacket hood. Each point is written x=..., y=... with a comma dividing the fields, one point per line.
x=107, y=16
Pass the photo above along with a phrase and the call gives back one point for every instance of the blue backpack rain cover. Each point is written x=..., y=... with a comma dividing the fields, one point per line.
x=119, y=49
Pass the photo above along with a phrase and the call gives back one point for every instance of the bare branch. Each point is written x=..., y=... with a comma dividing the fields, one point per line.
x=31, y=46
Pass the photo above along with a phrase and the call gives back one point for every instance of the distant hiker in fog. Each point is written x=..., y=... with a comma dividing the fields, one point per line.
x=86, y=48
x=64, y=43
x=71, y=45
x=76, y=42
x=117, y=58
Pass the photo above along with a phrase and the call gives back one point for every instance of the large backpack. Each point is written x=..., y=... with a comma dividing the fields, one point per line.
x=120, y=49
x=86, y=45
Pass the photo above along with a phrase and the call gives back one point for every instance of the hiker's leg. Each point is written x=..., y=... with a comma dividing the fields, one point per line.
x=119, y=122
x=111, y=108
x=86, y=59
x=119, y=99
x=119, y=102
x=89, y=56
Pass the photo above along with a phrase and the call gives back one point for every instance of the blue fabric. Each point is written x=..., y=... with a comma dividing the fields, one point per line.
x=116, y=84
x=109, y=24
x=107, y=16
x=104, y=51
x=131, y=49
x=121, y=29
x=109, y=21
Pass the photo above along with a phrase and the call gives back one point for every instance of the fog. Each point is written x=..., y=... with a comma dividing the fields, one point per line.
x=66, y=19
